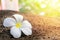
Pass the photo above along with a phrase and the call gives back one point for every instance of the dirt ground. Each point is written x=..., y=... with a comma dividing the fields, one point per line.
x=44, y=28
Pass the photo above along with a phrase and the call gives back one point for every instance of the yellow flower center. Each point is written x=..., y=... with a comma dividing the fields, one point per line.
x=18, y=25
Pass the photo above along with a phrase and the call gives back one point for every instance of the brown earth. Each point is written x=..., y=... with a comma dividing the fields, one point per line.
x=44, y=28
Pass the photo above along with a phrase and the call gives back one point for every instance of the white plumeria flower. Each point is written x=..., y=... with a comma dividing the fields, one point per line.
x=17, y=25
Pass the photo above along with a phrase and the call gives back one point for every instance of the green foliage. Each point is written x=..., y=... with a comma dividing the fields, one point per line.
x=34, y=6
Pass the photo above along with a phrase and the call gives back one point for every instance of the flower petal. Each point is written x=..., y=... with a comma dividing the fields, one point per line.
x=18, y=17
x=9, y=22
x=26, y=24
x=15, y=32
x=26, y=31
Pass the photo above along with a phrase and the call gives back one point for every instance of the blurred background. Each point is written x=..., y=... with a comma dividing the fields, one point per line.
x=49, y=8
x=41, y=7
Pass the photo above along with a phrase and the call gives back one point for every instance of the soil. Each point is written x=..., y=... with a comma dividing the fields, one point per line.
x=44, y=28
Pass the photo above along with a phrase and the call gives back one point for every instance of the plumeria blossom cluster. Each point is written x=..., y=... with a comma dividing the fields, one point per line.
x=17, y=24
